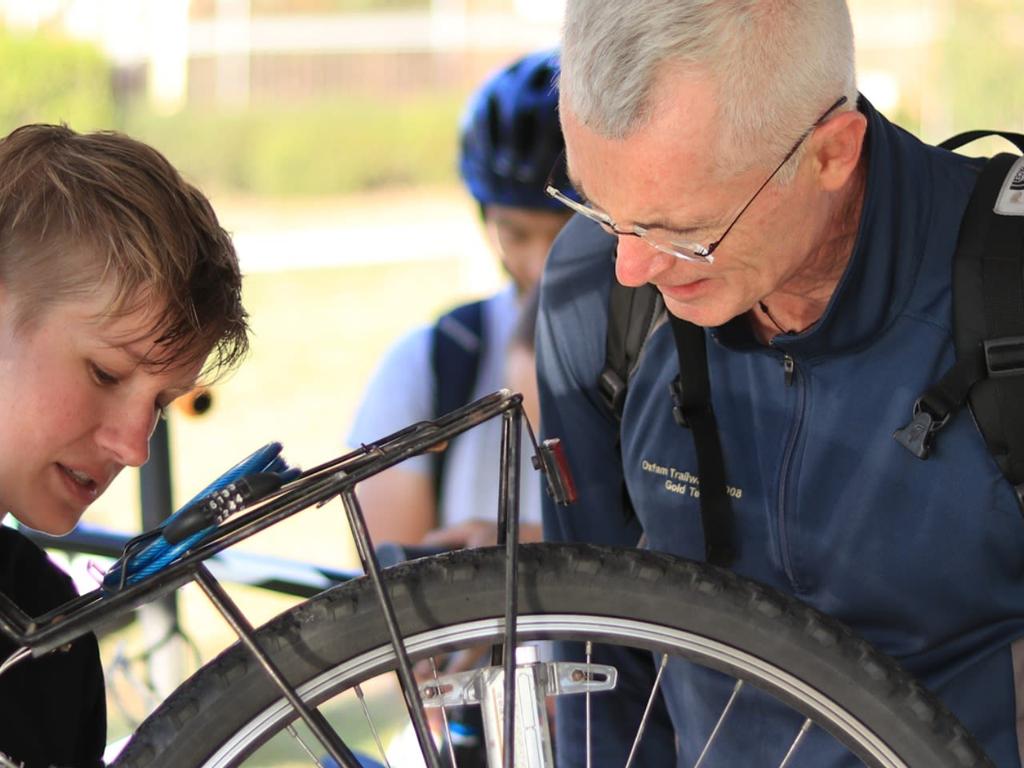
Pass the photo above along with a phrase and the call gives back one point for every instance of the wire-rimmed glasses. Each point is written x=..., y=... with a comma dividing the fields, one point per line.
x=666, y=240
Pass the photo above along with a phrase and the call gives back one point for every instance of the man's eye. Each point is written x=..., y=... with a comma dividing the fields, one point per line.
x=101, y=376
x=682, y=240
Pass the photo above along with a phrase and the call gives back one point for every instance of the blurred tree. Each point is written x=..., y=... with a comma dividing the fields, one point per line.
x=49, y=79
x=206, y=8
x=339, y=146
x=981, y=65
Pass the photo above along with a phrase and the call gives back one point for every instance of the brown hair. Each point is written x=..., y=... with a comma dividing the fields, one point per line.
x=80, y=211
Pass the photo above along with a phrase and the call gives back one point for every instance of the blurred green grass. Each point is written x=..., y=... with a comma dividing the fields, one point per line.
x=343, y=145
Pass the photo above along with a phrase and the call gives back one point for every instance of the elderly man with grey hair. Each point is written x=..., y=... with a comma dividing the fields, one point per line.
x=722, y=152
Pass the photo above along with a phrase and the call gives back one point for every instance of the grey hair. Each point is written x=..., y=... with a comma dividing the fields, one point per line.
x=775, y=64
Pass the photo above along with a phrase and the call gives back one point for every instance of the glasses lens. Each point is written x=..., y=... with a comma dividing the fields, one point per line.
x=681, y=250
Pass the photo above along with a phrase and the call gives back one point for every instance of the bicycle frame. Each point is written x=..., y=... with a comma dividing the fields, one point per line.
x=286, y=577
x=336, y=478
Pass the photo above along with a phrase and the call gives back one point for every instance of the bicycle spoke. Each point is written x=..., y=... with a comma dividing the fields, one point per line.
x=721, y=719
x=647, y=710
x=590, y=648
x=369, y=721
x=796, y=743
x=410, y=691
x=444, y=717
x=576, y=595
x=314, y=720
x=305, y=748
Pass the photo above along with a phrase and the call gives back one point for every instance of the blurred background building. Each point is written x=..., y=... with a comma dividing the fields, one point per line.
x=176, y=54
x=270, y=96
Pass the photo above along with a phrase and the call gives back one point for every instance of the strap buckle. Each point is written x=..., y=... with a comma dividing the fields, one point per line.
x=613, y=390
x=916, y=436
x=682, y=413
x=1004, y=357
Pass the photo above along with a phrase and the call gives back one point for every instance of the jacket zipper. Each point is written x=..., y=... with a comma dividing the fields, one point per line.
x=792, y=378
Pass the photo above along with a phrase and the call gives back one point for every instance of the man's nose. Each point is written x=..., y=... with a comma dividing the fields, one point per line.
x=125, y=434
x=637, y=262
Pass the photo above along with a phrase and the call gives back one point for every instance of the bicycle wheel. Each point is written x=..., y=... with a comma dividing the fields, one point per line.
x=658, y=603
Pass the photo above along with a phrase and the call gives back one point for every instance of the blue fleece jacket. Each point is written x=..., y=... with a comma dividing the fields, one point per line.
x=923, y=558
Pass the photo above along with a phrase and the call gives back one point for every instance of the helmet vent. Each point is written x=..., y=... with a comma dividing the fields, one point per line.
x=494, y=121
x=542, y=79
x=524, y=133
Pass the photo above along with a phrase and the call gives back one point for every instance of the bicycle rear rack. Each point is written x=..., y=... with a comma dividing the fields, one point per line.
x=336, y=478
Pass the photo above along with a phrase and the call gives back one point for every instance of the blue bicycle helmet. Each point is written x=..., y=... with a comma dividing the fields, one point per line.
x=510, y=137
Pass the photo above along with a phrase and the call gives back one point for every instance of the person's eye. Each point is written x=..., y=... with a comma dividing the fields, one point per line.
x=682, y=240
x=514, y=236
x=102, y=377
x=589, y=205
x=685, y=237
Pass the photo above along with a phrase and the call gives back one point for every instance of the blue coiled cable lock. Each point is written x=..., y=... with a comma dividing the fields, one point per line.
x=249, y=480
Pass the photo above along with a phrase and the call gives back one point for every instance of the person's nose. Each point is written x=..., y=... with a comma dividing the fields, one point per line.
x=125, y=433
x=637, y=263
x=538, y=258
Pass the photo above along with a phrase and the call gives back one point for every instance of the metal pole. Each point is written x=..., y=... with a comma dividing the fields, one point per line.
x=159, y=619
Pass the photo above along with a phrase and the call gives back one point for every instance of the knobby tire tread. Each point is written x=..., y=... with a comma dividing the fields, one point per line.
x=632, y=584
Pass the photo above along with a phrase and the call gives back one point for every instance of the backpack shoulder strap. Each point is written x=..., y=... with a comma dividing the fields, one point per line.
x=457, y=344
x=988, y=321
x=988, y=310
x=691, y=398
x=955, y=142
x=632, y=313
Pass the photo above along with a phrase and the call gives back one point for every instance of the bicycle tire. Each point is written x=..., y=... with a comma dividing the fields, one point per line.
x=338, y=638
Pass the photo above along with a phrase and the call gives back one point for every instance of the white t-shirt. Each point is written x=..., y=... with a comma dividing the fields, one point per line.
x=401, y=392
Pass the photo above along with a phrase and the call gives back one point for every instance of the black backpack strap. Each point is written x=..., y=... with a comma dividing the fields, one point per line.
x=988, y=322
x=955, y=142
x=691, y=398
x=990, y=289
x=631, y=316
x=456, y=350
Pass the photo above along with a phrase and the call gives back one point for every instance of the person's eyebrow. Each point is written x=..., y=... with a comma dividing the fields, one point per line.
x=578, y=186
x=130, y=349
x=173, y=393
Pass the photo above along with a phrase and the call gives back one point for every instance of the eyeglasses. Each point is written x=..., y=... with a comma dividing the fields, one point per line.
x=666, y=240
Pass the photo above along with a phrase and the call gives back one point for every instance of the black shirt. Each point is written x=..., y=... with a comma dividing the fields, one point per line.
x=52, y=709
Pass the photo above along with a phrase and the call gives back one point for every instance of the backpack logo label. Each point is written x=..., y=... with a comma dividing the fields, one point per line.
x=682, y=482
x=1011, y=197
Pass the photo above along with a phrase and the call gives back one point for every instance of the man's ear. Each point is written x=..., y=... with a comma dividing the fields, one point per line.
x=836, y=148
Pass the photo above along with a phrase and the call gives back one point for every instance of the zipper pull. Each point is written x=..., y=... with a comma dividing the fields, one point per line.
x=788, y=368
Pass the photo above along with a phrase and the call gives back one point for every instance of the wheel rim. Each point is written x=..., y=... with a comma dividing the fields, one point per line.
x=655, y=637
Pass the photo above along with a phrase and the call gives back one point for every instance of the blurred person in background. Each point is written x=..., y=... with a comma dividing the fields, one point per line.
x=118, y=291
x=510, y=140
x=521, y=360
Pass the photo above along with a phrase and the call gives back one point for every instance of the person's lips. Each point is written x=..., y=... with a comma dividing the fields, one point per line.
x=83, y=485
x=686, y=291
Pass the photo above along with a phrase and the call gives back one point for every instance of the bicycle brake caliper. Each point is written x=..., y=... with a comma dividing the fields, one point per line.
x=534, y=683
